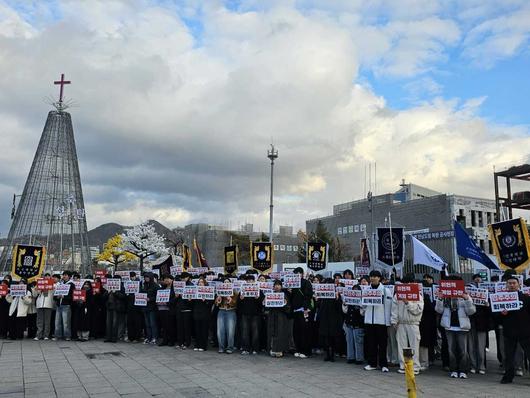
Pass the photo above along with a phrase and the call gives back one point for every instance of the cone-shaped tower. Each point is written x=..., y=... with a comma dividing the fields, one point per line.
x=51, y=210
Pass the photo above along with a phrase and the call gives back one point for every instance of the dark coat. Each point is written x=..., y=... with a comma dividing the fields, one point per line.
x=99, y=314
x=353, y=317
x=428, y=330
x=330, y=316
x=150, y=288
x=278, y=327
x=303, y=296
x=516, y=324
x=202, y=310
x=83, y=312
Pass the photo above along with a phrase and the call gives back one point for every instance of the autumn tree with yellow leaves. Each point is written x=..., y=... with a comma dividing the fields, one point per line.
x=114, y=253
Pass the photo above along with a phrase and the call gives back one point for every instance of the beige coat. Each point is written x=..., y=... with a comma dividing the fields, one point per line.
x=21, y=304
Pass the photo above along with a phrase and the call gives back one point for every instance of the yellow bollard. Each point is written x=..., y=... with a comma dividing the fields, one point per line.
x=409, y=373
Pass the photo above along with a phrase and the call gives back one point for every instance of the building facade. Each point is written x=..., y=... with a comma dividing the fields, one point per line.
x=424, y=213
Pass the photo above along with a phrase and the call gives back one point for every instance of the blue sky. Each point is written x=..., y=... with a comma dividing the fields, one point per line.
x=434, y=91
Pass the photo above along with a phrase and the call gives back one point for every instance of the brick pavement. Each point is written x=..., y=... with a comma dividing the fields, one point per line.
x=96, y=369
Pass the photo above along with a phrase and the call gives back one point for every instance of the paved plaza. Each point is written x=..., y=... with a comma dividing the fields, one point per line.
x=95, y=369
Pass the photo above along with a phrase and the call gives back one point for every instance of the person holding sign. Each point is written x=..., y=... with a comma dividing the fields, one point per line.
x=150, y=288
x=184, y=315
x=455, y=320
x=202, y=310
x=45, y=305
x=302, y=306
x=135, y=317
x=226, y=321
x=250, y=309
x=330, y=323
x=376, y=320
x=480, y=326
x=82, y=307
x=116, y=309
x=516, y=328
x=63, y=312
x=354, y=329
x=166, y=311
x=278, y=324
x=406, y=317
x=18, y=309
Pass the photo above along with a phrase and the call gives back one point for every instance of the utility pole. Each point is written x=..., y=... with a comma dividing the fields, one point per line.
x=271, y=154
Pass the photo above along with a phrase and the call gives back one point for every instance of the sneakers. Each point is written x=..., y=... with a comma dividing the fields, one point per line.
x=462, y=375
x=297, y=354
x=254, y=353
x=402, y=371
x=54, y=338
x=36, y=339
x=152, y=341
x=302, y=356
x=519, y=372
x=200, y=349
x=146, y=341
x=384, y=369
x=244, y=352
x=46, y=338
x=424, y=368
x=68, y=339
x=221, y=351
x=482, y=372
x=472, y=371
x=368, y=367
x=454, y=375
x=228, y=351
x=195, y=349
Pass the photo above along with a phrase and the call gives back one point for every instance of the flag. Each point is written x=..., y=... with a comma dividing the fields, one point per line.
x=28, y=262
x=231, y=259
x=186, y=258
x=390, y=246
x=365, y=253
x=467, y=248
x=200, y=257
x=261, y=256
x=317, y=256
x=511, y=244
x=425, y=256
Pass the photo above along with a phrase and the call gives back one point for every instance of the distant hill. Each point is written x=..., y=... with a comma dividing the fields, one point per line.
x=100, y=235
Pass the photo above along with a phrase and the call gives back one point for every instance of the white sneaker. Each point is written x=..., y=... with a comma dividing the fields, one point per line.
x=201, y=349
x=368, y=367
x=254, y=353
x=195, y=349
x=46, y=338
x=36, y=339
x=454, y=375
x=482, y=372
x=424, y=368
x=297, y=354
x=384, y=369
x=519, y=372
x=416, y=372
x=472, y=371
x=462, y=375
x=244, y=352
x=402, y=371
x=302, y=356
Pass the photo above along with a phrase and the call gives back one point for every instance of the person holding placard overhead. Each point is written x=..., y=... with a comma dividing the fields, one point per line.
x=406, y=317
x=516, y=328
x=376, y=321
x=455, y=320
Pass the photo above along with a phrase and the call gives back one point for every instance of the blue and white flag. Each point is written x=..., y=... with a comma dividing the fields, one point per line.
x=425, y=256
x=467, y=248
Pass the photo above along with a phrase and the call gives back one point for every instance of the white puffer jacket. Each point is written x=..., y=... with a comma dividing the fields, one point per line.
x=466, y=308
x=21, y=304
x=379, y=314
x=406, y=314
x=43, y=299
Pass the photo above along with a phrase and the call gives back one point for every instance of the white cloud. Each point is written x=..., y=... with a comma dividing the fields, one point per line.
x=178, y=130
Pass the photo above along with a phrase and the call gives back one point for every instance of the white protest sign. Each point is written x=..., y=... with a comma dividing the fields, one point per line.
x=225, y=289
x=20, y=290
x=140, y=299
x=372, y=297
x=162, y=295
x=352, y=297
x=292, y=281
x=266, y=287
x=274, y=300
x=250, y=290
x=62, y=289
x=324, y=290
x=113, y=284
x=479, y=296
x=178, y=287
x=508, y=301
x=175, y=270
x=131, y=287
x=205, y=292
x=190, y=293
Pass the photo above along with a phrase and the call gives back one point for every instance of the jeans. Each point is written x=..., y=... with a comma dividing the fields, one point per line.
x=44, y=316
x=354, y=343
x=250, y=332
x=477, y=349
x=63, y=316
x=151, y=328
x=457, y=347
x=226, y=329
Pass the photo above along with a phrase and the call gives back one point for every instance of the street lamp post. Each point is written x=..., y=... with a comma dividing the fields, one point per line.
x=271, y=154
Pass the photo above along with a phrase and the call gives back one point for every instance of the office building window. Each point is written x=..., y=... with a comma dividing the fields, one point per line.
x=356, y=228
x=295, y=248
x=276, y=247
x=289, y=248
x=350, y=229
x=339, y=231
x=282, y=247
x=473, y=218
x=344, y=230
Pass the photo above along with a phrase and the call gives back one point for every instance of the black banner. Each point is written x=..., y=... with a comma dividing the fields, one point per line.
x=390, y=245
x=28, y=262
x=511, y=244
x=261, y=256
x=317, y=256
x=231, y=259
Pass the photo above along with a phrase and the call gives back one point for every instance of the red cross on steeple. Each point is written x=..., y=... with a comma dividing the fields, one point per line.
x=62, y=82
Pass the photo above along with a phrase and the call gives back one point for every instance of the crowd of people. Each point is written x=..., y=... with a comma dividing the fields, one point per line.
x=454, y=331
